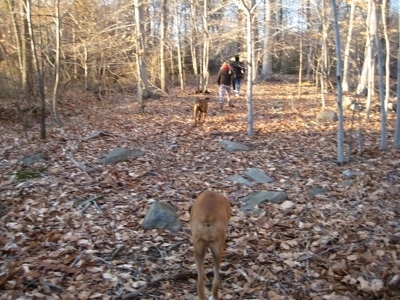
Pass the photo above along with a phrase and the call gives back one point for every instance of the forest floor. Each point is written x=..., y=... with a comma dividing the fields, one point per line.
x=71, y=234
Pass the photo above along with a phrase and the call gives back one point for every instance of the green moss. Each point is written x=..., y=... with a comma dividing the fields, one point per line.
x=24, y=175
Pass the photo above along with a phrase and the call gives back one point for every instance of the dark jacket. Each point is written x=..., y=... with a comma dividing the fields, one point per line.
x=238, y=69
x=225, y=75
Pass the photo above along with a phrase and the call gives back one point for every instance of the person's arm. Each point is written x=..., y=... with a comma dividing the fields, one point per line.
x=219, y=78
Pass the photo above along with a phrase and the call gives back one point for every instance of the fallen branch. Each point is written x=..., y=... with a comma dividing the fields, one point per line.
x=86, y=203
x=80, y=165
x=77, y=163
x=95, y=135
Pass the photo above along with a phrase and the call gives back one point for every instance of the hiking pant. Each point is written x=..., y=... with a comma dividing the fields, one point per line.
x=224, y=89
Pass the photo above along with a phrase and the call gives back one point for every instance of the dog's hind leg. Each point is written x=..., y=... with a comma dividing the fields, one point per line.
x=199, y=254
x=216, y=250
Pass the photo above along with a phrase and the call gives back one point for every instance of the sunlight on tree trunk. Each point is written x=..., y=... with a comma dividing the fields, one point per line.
x=206, y=49
x=366, y=83
x=266, y=70
x=249, y=10
x=397, y=130
x=57, y=63
x=324, y=54
x=178, y=49
x=163, y=61
x=300, y=67
x=340, y=135
x=346, y=63
x=143, y=84
x=85, y=66
x=387, y=49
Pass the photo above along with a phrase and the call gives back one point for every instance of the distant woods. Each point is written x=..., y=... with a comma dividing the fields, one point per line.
x=140, y=47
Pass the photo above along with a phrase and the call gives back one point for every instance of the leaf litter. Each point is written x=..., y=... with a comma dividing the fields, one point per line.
x=73, y=230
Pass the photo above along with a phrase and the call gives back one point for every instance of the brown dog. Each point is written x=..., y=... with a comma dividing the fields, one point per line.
x=200, y=110
x=209, y=217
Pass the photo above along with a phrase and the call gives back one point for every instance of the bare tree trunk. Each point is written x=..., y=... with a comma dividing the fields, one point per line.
x=38, y=72
x=340, y=136
x=57, y=63
x=163, y=28
x=397, y=130
x=371, y=61
x=266, y=70
x=367, y=73
x=86, y=66
x=345, y=81
x=178, y=49
x=300, y=67
x=206, y=48
x=193, y=45
x=383, y=142
x=387, y=46
x=143, y=83
x=26, y=54
x=324, y=54
x=249, y=11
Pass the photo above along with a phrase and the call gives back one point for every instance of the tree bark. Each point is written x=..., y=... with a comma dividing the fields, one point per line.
x=38, y=71
x=57, y=63
x=345, y=81
x=266, y=70
x=397, y=129
x=249, y=11
x=383, y=142
x=143, y=83
x=340, y=135
x=163, y=28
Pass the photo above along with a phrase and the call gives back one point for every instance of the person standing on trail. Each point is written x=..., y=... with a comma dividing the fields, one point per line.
x=238, y=73
x=225, y=82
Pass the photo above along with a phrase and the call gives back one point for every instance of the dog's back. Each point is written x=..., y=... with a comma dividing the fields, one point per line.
x=209, y=216
x=200, y=110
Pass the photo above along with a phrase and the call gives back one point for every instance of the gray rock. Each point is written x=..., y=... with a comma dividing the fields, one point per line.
x=327, y=115
x=257, y=175
x=349, y=173
x=120, y=154
x=254, y=199
x=317, y=191
x=33, y=158
x=233, y=146
x=239, y=179
x=162, y=216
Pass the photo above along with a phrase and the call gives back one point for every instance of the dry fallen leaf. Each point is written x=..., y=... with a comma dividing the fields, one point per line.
x=79, y=232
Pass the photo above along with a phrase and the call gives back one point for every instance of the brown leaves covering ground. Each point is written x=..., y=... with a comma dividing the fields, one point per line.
x=68, y=234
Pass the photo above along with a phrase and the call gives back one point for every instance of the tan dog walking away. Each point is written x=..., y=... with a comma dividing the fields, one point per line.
x=200, y=110
x=209, y=217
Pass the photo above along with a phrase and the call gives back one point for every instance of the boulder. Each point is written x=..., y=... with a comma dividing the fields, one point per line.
x=327, y=116
x=233, y=146
x=254, y=199
x=33, y=158
x=161, y=215
x=120, y=154
x=239, y=179
x=257, y=175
